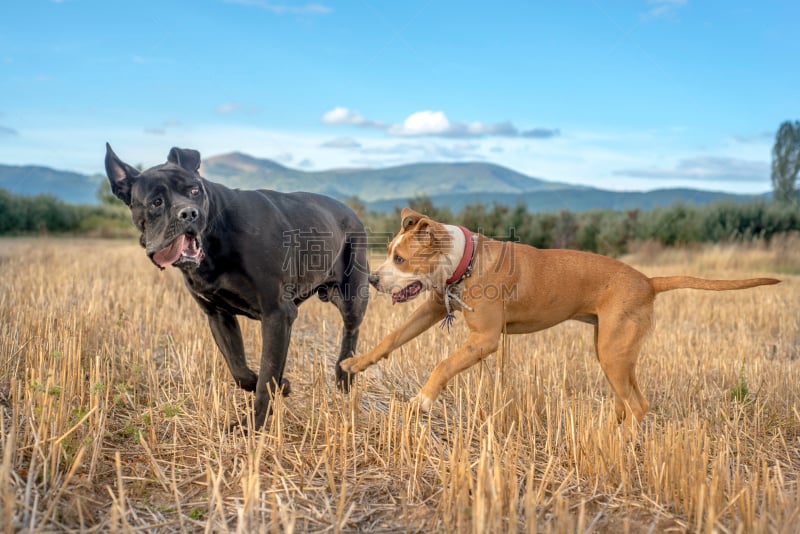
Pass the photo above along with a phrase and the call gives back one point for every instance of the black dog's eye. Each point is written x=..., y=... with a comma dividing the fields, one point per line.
x=398, y=260
x=195, y=191
x=157, y=203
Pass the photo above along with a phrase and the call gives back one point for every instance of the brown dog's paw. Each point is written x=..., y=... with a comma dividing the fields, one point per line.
x=356, y=364
x=422, y=402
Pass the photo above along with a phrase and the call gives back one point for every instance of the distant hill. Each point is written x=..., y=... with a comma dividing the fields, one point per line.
x=579, y=199
x=29, y=180
x=401, y=182
x=450, y=184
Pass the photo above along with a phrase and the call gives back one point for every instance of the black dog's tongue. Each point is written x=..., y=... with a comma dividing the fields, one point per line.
x=171, y=254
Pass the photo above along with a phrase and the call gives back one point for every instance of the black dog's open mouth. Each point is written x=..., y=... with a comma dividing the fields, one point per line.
x=184, y=248
x=407, y=293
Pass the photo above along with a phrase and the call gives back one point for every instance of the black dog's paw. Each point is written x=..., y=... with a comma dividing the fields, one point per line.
x=238, y=426
x=344, y=379
x=286, y=387
x=249, y=383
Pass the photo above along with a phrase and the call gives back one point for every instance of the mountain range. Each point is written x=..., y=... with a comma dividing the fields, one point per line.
x=455, y=185
x=28, y=180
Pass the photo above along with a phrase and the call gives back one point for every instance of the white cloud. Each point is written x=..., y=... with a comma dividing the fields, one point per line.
x=227, y=107
x=284, y=9
x=436, y=124
x=763, y=137
x=345, y=116
x=342, y=115
x=341, y=142
x=706, y=168
x=541, y=133
x=423, y=123
x=162, y=128
x=664, y=8
x=479, y=129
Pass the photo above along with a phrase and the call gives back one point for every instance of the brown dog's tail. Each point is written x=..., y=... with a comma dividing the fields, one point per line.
x=667, y=283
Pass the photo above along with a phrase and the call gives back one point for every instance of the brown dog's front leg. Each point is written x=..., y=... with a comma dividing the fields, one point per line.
x=477, y=347
x=423, y=318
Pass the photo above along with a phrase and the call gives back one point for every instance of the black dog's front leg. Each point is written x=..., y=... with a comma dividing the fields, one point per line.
x=276, y=329
x=228, y=336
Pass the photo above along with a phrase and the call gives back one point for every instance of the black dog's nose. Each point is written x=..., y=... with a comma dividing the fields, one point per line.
x=373, y=279
x=188, y=214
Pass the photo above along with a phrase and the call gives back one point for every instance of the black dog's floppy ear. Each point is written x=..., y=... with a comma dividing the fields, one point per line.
x=185, y=157
x=120, y=175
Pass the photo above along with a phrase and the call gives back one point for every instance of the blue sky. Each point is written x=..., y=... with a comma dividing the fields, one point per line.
x=627, y=95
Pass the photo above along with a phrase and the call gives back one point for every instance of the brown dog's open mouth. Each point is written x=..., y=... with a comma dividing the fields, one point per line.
x=407, y=293
x=184, y=248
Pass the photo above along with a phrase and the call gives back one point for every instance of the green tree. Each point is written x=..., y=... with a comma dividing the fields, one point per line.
x=104, y=194
x=786, y=162
x=423, y=204
x=565, y=230
x=355, y=204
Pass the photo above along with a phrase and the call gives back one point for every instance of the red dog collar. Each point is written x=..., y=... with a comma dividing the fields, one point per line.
x=466, y=258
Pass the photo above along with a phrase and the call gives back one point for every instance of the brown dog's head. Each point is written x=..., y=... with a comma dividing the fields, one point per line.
x=421, y=257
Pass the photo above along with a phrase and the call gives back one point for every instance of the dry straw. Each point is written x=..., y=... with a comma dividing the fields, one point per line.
x=114, y=403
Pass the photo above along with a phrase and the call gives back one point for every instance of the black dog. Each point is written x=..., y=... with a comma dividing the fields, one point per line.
x=253, y=253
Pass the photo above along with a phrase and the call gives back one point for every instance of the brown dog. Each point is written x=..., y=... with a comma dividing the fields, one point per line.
x=504, y=287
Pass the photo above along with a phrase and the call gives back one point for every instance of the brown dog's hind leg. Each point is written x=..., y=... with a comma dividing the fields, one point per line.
x=618, y=340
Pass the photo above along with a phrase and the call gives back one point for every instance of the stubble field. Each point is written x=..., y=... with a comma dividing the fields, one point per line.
x=115, y=404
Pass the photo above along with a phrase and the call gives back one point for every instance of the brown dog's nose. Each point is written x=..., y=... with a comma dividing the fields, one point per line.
x=373, y=279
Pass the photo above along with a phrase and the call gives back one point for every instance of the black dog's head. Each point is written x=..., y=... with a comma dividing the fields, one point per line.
x=169, y=205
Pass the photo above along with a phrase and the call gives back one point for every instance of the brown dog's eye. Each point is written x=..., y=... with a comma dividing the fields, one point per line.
x=398, y=260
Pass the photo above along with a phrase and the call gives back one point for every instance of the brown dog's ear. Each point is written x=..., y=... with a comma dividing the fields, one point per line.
x=432, y=234
x=120, y=175
x=424, y=232
x=409, y=218
x=185, y=157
